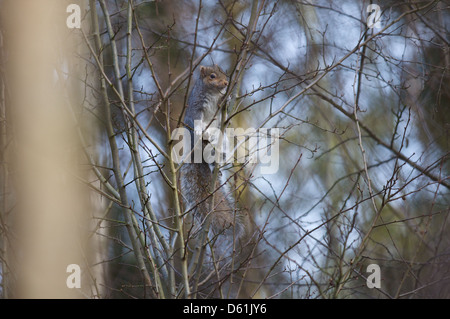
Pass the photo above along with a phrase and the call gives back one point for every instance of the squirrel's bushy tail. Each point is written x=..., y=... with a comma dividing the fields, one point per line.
x=195, y=182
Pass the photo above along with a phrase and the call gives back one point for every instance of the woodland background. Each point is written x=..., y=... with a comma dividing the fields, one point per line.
x=85, y=149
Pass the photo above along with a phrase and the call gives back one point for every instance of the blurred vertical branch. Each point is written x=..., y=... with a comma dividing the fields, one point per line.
x=43, y=223
x=4, y=176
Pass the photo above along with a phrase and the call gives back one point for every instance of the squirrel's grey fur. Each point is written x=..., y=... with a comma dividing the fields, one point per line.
x=196, y=178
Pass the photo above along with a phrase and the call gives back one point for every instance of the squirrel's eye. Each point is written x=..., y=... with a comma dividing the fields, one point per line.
x=212, y=76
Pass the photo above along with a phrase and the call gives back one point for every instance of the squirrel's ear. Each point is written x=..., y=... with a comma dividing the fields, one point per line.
x=202, y=71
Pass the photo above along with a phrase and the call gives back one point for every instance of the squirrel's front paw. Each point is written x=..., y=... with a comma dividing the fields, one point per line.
x=198, y=132
x=208, y=136
x=203, y=134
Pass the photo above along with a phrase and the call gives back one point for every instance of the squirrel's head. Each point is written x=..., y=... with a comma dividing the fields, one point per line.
x=214, y=78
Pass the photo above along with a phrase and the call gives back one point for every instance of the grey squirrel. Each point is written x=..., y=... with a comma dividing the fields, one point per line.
x=196, y=178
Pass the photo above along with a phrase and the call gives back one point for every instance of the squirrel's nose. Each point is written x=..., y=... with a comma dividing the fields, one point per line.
x=225, y=82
